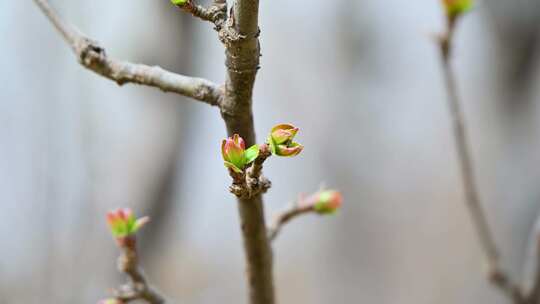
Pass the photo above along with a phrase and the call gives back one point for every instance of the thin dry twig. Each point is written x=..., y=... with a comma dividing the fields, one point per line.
x=496, y=275
x=294, y=210
x=216, y=13
x=93, y=57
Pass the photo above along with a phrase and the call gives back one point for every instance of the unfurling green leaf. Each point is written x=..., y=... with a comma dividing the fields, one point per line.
x=281, y=140
x=251, y=154
x=179, y=2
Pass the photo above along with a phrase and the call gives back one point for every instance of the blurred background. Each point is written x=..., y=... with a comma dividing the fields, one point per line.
x=362, y=79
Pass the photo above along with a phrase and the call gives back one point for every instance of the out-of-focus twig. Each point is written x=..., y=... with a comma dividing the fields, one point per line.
x=531, y=285
x=138, y=287
x=496, y=275
x=294, y=210
x=321, y=202
x=124, y=226
x=92, y=56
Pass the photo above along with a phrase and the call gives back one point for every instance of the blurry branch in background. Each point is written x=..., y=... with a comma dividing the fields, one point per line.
x=461, y=140
x=124, y=226
x=322, y=202
x=93, y=57
x=531, y=285
x=454, y=10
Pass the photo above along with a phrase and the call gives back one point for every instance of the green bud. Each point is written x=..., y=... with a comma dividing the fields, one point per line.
x=281, y=140
x=326, y=202
x=123, y=223
x=235, y=155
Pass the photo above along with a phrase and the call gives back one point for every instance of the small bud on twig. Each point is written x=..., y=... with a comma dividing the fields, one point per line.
x=324, y=202
x=235, y=155
x=455, y=8
x=124, y=225
x=281, y=140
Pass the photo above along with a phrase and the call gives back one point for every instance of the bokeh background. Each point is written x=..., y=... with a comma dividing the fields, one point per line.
x=362, y=79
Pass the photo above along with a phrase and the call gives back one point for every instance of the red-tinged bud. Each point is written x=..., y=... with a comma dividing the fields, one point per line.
x=281, y=140
x=325, y=202
x=123, y=223
x=235, y=155
x=293, y=150
x=283, y=133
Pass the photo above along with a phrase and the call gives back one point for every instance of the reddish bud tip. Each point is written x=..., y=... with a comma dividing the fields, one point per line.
x=281, y=140
x=326, y=201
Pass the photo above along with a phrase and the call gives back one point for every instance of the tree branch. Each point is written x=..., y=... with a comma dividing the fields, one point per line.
x=93, y=57
x=294, y=210
x=531, y=285
x=240, y=37
x=476, y=212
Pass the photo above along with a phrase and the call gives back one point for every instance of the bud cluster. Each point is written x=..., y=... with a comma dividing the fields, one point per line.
x=236, y=157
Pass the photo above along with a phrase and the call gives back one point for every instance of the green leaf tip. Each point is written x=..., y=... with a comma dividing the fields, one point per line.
x=179, y=2
x=281, y=140
x=122, y=222
x=251, y=154
x=455, y=8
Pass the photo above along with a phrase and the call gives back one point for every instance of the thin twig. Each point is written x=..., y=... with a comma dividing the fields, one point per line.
x=93, y=57
x=138, y=287
x=489, y=248
x=294, y=210
x=256, y=183
x=216, y=13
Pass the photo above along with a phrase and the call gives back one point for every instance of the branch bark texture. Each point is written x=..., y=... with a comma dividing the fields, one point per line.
x=93, y=57
x=240, y=37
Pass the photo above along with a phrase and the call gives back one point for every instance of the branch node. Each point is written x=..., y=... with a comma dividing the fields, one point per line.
x=250, y=182
x=216, y=13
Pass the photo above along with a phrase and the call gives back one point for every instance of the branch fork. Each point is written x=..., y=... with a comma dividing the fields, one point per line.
x=216, y=13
